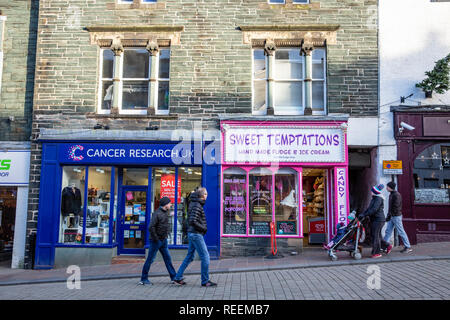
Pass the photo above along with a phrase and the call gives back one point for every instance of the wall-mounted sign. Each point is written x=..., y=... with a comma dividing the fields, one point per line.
x=341, y=194
x=392, y=167
x=85, y=153
x=14, y=167
x=269, y=144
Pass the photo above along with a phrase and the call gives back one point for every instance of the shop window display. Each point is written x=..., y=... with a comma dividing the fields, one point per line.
x=98, y=205
x=286, y=201
x=188, y=180
x=314, y=184
x=8, y=202
x=163, y=184
x=234, y=201
x=72, y=201
x=432, y=175
x=260, y=201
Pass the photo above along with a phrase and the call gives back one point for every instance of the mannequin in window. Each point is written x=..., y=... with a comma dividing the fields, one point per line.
x=71, y=200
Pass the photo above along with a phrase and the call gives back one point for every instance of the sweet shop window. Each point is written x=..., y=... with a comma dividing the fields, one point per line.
x=260, y=201
x=234, y=201
x=286, y=201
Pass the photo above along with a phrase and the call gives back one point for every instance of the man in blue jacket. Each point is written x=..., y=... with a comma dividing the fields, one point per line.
x=159, y=231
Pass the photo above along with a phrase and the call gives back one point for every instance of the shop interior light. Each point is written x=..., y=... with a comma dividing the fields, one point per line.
x=76, y=170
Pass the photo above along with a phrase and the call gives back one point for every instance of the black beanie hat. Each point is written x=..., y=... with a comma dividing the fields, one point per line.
x=164, y=201
x=392, y=185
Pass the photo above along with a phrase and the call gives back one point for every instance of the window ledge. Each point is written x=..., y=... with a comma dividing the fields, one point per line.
x=94, y=115
x=290, y=5
x=137, y=4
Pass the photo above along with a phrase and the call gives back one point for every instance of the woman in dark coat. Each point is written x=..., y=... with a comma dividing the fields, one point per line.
x=377, y=219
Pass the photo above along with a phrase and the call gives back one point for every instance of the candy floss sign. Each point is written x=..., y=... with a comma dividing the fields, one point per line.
x=314, y=144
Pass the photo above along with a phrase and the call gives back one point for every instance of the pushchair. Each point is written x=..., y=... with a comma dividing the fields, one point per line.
x=354, y=234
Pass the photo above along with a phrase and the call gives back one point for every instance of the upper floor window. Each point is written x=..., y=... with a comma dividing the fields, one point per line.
x=139, y=87
x=288, y=95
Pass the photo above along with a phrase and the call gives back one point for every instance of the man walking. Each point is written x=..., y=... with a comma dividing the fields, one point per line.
x=196, y=230
x=159, y=230
x=394, y=218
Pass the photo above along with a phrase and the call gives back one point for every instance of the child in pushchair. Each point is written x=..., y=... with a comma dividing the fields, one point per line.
x=347, y=238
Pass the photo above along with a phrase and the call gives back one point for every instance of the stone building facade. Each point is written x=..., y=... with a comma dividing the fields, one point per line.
x=210, y=44
x=18, y=34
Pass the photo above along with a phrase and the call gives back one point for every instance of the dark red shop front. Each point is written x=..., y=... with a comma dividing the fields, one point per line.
x=425, y=182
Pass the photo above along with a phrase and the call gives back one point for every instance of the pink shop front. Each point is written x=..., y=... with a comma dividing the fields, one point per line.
x=294, y=174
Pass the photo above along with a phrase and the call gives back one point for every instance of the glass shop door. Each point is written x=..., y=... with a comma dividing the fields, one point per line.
x=132, y=223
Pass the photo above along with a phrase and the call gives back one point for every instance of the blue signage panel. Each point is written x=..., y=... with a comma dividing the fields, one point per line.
x=129, y=153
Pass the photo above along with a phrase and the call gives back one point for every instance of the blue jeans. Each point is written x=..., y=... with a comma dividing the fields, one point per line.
x=397, y=223
x=153, y=250
x=196, y=242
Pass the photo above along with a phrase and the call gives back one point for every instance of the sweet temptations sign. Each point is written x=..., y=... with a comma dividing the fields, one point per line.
x=283, y=143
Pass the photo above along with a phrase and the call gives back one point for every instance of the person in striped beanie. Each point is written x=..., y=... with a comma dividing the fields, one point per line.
x=377, y=219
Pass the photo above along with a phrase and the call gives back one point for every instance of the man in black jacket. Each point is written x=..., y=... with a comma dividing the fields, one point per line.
x=394, y=218
x=196, y=230
x=159, y=230
x=377, y=219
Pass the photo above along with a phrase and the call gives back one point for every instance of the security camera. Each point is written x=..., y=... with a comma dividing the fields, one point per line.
x=406, y=126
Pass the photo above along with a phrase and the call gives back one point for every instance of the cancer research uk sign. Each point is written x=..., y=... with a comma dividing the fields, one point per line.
x=290, y=144
x=111, y=153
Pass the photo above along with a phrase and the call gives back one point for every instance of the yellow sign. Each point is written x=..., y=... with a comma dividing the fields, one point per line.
x=392, y=164
x=392, y=167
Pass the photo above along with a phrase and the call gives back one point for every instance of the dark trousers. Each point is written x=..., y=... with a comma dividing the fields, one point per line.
x=152, y=251
x=378, y=242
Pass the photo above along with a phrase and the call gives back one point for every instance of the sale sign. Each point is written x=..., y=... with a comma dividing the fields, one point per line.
x=168, y=187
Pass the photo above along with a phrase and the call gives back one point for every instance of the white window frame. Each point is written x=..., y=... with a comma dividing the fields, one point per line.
x=263, y=112
x=287, y=110
x=122, y=79
x=158, y=79
x=279, y=110
x=324, y=111
x=101, y=80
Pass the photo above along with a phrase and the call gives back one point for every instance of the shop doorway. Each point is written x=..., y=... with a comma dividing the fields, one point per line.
x=132, y=221
x=8, y=201
x=315, y=189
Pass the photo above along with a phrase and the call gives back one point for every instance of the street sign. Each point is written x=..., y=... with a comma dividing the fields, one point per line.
x=392, y=167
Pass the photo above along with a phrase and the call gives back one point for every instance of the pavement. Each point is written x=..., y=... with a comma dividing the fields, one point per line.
x=308, y=258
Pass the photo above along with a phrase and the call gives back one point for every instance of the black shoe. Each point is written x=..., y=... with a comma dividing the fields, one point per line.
x=179, y=282
x=209, y=284
x=406, y=250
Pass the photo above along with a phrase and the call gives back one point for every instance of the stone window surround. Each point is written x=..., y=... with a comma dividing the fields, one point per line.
x=118, y=37
x=136, y=4
x=306, y=37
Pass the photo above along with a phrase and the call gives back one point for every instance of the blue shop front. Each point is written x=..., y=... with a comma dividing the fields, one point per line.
x=96, y=199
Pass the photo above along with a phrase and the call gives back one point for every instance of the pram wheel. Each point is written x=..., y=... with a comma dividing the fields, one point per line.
x=357, y=256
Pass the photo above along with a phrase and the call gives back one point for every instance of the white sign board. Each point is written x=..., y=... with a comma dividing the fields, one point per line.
x=14, y=167
x=269, y=144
